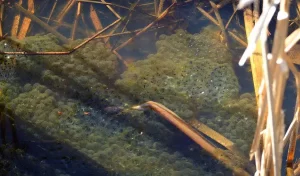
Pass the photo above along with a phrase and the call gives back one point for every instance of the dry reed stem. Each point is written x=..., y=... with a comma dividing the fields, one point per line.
x=1, y=19
x=26, y=21
x=160, y=7
x=255, y=59
x=271, y=124
x=15, y=25
x=213, y=134
x=174, y=119
x=97, y=23
x=42, y=24
x=112, y=10
x=253, y=37
x=179, y=123
x=261, y=120
x=95, y=19
x=291, y=40
x=238, y=39
x=275, y=77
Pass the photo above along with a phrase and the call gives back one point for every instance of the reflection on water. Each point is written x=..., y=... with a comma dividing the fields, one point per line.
x=69, y=112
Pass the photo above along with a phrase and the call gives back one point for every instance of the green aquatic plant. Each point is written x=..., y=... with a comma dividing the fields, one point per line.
x=183, y=74
x=119, y=151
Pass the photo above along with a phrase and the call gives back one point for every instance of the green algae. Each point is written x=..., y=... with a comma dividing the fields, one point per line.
x=184, y=75
x=106, y=149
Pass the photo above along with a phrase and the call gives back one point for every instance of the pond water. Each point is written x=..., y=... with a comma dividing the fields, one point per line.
x=66, y=103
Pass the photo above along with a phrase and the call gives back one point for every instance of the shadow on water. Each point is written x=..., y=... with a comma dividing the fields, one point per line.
x=26, y=150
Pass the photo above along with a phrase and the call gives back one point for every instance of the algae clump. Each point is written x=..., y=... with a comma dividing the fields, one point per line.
x=185, y=74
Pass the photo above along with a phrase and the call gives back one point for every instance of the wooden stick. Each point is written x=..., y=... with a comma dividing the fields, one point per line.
x=42, y=24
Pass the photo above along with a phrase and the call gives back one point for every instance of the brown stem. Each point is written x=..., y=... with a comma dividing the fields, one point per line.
x=26, y=21
x=1, y=19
